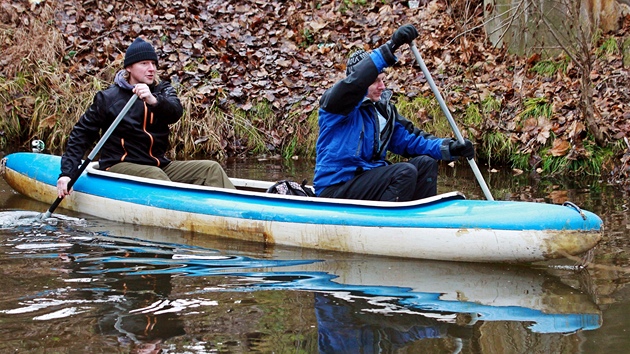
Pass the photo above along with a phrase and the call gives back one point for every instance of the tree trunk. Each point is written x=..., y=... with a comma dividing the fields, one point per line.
x=511, y=22
x=603, y=14
x=588, y=109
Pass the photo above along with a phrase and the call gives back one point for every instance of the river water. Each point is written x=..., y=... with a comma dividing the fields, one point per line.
x=78, y=284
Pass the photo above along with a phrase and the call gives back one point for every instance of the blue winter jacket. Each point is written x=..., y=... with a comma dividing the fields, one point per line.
x=348, y=141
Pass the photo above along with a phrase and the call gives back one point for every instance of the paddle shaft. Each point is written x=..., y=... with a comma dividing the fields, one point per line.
x=451, y=121
x=92, y=154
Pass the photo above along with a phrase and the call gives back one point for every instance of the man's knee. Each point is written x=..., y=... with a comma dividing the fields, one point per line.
x=213, y=165
x=404, y=171
x=424, y=162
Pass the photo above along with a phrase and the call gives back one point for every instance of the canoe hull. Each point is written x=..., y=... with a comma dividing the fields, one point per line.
x=366, y=228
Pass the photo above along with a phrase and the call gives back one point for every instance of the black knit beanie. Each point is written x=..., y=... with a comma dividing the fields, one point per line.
x=139, y=50
x=354, y=59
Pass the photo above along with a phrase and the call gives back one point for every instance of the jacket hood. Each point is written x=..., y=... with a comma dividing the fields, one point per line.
x=121, y=81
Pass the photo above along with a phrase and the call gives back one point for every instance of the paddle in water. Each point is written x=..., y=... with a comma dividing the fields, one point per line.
x=451, y=121
x=92, y=154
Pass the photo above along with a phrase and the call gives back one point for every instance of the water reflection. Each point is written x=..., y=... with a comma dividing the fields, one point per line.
x=177, y=291
x=347, y=324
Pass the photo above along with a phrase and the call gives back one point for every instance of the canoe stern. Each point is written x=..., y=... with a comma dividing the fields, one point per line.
x=565, y=243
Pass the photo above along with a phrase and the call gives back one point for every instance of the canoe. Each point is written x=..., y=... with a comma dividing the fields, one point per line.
x=444, y=227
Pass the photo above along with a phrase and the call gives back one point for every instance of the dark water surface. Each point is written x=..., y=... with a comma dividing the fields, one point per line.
x=77, y=284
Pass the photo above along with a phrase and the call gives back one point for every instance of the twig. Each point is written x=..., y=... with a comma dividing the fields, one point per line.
x=559, y=41
x=586, y=262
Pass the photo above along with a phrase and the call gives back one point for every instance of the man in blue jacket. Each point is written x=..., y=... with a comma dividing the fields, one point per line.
x=358, y=125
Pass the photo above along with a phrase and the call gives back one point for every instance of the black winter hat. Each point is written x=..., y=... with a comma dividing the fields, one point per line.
x=354, y=59
x=139, y=50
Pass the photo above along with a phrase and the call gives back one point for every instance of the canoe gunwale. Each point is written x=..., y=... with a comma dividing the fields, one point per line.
x=263, y=185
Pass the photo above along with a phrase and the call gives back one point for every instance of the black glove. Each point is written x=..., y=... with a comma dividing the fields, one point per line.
x=404, y=34
x=458, y=149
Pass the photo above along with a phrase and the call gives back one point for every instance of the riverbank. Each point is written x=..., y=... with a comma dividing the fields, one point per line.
x=250, y=75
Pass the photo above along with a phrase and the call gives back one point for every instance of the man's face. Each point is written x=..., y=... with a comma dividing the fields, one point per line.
x=142, y=72
x=376, y=89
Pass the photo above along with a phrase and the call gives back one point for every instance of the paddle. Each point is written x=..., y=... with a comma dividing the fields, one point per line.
x=92, y=154
x=451, y=121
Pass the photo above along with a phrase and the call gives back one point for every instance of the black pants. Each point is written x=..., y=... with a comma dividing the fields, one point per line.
x=399, y=182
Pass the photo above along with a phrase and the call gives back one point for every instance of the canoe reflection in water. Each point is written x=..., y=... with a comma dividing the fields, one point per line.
x=377, y=302
x=175, y=288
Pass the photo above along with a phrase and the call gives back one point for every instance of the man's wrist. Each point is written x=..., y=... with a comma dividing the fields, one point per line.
x=392, y=46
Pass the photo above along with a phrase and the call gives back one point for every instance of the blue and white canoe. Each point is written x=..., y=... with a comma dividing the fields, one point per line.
x=445, y=227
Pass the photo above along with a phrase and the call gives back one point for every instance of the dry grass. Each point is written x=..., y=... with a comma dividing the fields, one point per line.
x=34, y=43
x=40, y=99
x=194, y=137
x=43, y=101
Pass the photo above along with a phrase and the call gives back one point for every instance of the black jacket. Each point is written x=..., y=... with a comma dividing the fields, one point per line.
x=141, y=137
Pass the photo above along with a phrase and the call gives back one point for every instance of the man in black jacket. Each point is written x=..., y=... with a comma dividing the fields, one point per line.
x=139, y=143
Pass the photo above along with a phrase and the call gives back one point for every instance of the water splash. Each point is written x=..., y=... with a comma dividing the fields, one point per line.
x=21, y=218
